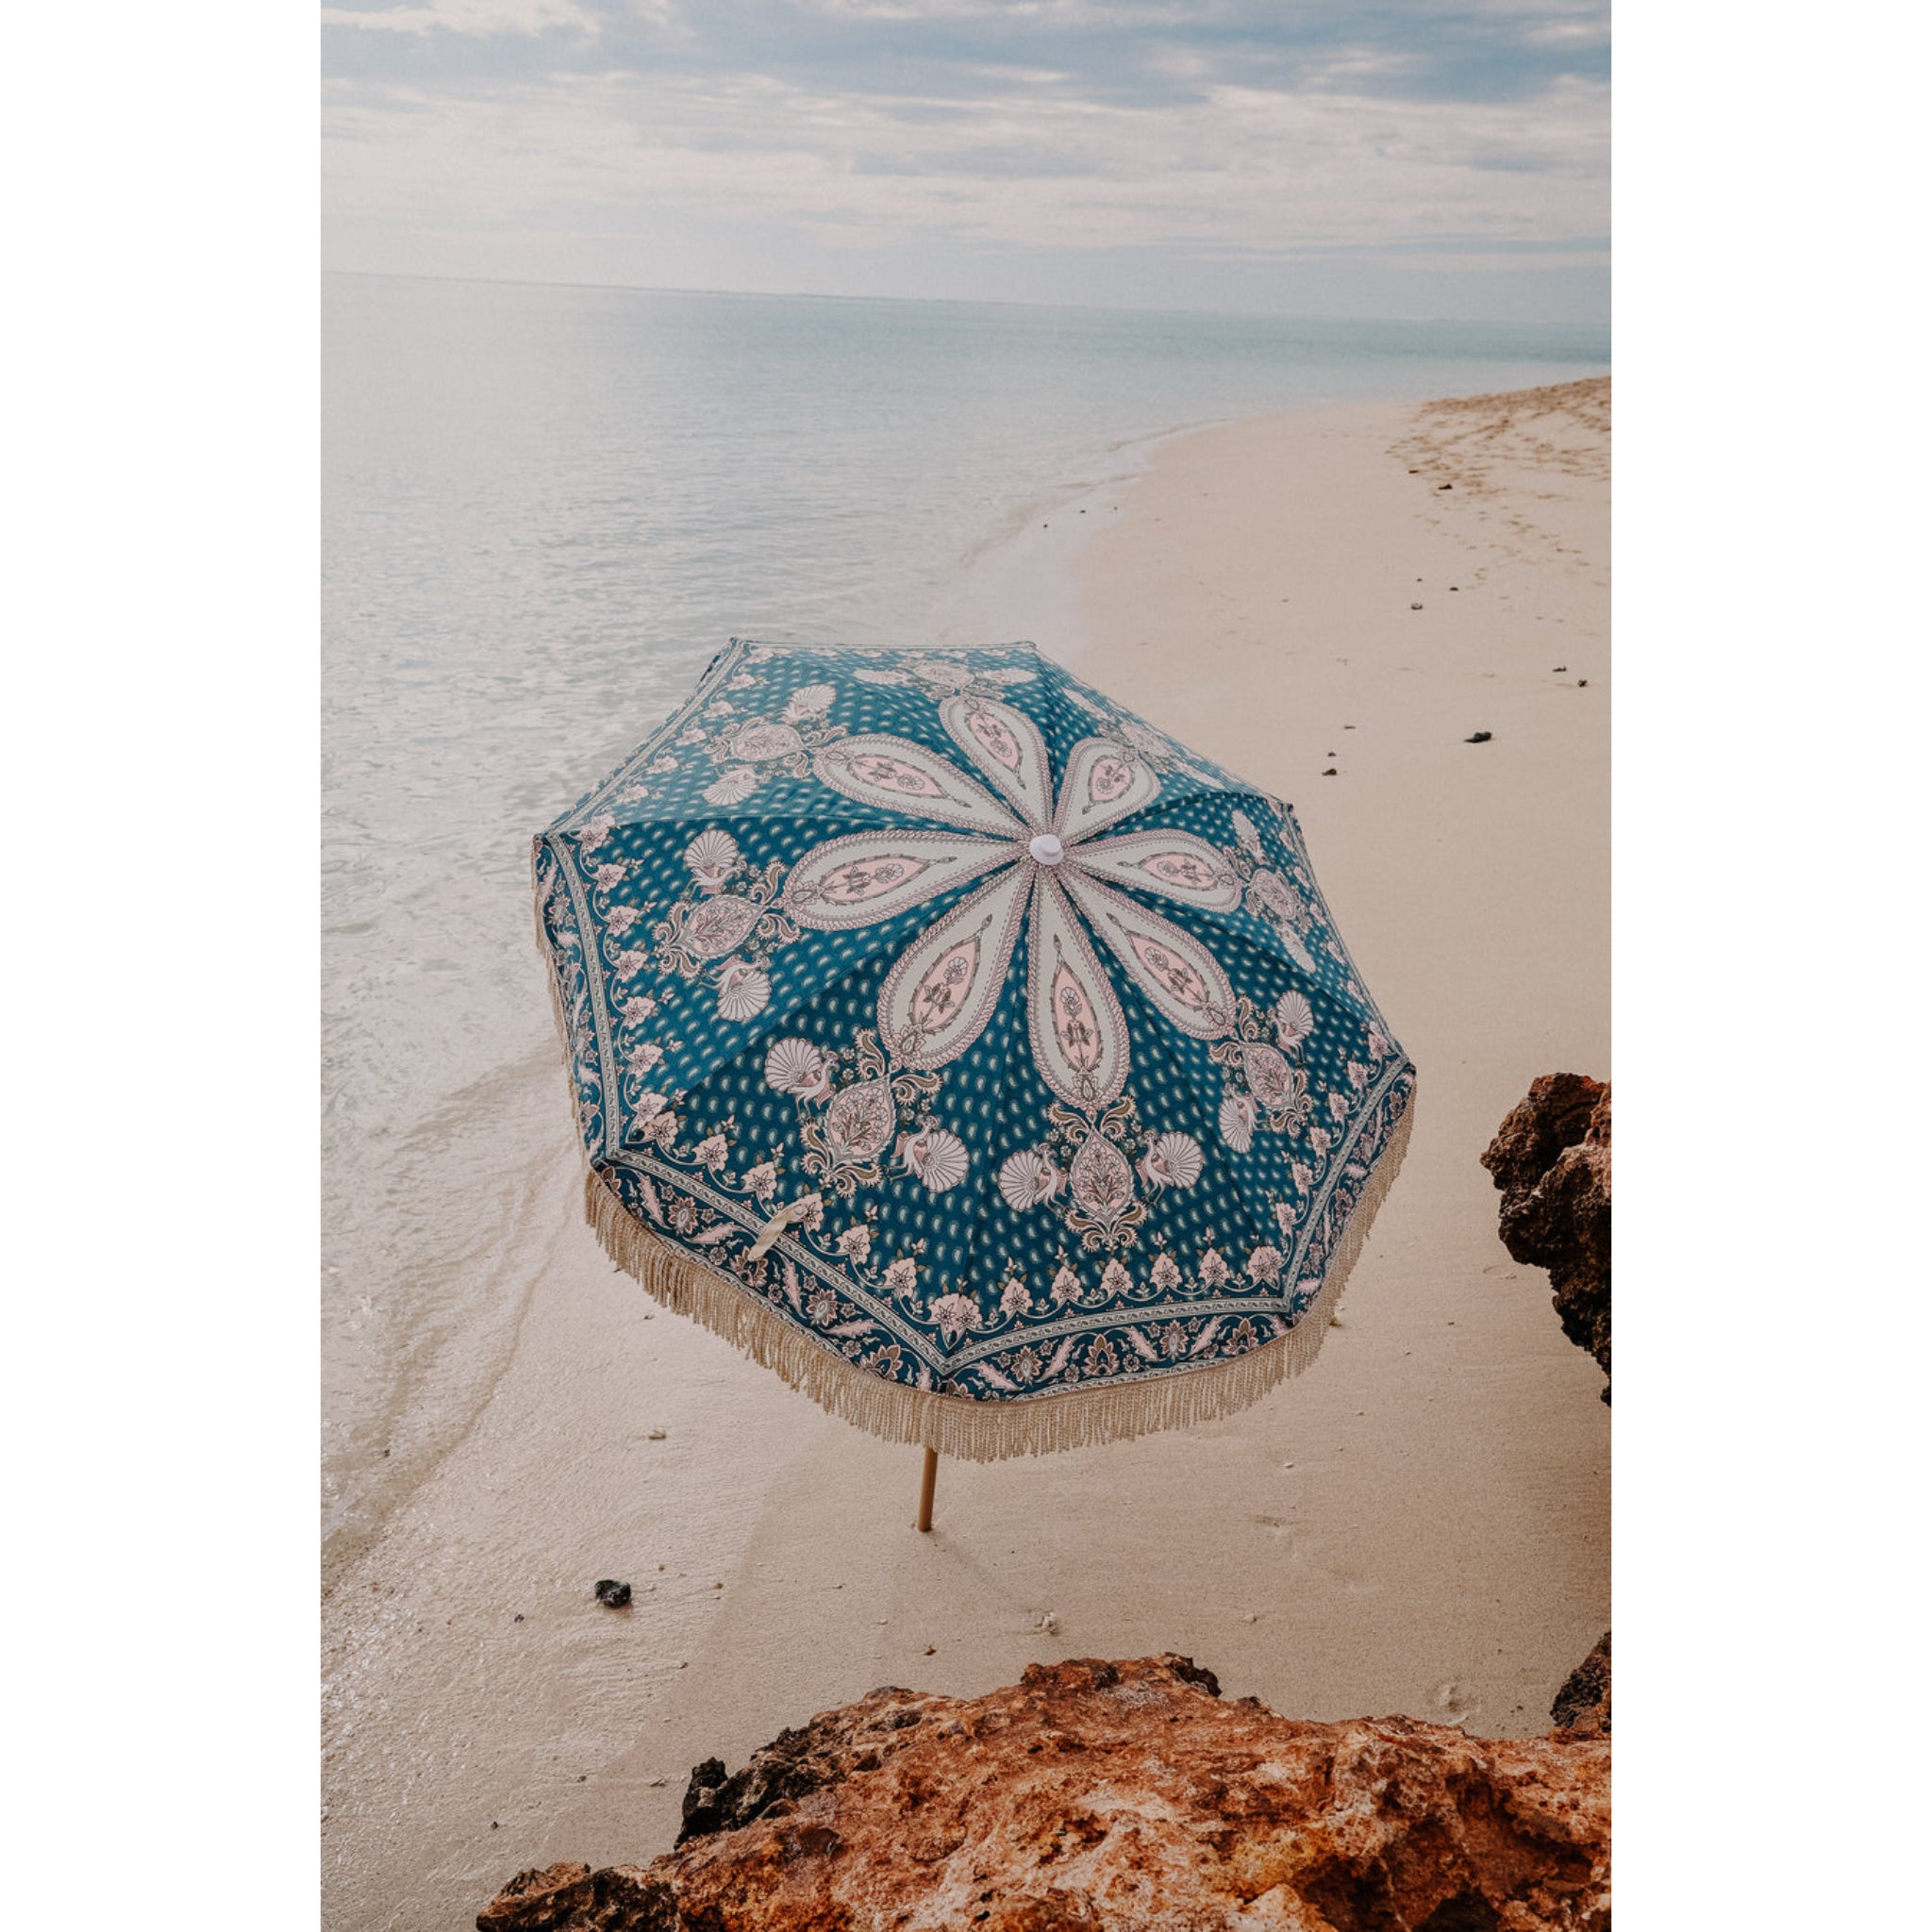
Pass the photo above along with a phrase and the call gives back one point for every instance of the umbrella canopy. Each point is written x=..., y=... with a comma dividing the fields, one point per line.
x=965, y=1049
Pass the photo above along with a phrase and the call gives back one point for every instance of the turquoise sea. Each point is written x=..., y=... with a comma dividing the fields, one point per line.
x=544, y=509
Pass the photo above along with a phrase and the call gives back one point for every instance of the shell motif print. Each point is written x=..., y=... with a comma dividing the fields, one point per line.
x=1045, y=867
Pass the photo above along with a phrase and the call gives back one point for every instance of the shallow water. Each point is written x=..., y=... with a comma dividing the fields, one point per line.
x=544, y=509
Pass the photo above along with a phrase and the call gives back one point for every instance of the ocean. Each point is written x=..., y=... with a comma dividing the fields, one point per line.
x=544, y=509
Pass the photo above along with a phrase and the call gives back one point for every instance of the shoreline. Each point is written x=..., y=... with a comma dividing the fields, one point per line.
x=1419, y=1524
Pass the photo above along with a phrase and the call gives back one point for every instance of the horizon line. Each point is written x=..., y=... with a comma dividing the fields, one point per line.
x=954, y=301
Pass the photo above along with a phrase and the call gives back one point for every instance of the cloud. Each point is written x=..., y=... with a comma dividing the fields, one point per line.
x=1216, y=126
x=466, y=18
x=1420, y=49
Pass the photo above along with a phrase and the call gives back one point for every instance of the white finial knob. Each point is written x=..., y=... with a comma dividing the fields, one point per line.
x=1047, y=849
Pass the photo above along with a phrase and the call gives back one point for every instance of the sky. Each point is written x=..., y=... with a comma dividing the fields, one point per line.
x=1409, y=159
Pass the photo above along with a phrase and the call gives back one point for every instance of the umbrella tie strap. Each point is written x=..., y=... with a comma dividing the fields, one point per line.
x=788, y=1216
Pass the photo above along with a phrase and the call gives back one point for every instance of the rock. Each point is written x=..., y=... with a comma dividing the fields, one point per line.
x=608, y=1590
x=1478, y=738
x=1111, y=1796
x=705, y=1808
x=563, y=1897
x=1582, y=1707
x=1551, y=1157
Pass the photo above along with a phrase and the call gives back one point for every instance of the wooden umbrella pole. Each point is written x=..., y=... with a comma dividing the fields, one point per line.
x=928, y=1476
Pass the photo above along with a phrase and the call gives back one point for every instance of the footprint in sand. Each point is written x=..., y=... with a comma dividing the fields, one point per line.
x=1287, y=1536
x=1455, y=1705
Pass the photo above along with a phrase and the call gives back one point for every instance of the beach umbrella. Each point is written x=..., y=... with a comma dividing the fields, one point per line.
x=964, y=1049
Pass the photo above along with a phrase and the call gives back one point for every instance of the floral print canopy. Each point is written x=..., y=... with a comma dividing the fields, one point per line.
x=964, y=1048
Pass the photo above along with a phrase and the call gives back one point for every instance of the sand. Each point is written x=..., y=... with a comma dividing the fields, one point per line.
x=1418, y=1524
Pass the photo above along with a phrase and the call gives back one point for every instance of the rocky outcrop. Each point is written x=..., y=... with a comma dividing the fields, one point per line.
x=1582, y=1709
x=1551, y=1157
x=1108, y=1796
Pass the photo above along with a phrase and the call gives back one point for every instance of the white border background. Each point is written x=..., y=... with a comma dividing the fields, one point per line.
x=162, y=731
x=1771, y=1100
x=161, y=1258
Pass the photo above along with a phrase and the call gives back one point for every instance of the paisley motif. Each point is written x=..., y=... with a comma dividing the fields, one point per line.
x=879, y=773
x=1102, y=1183
x=716, y=926
x=860, y=1121
x=1272, y=894
x=1270, y=1079
x=863, y=879
x=1006, y=745
x=942, y=992
x=760, y=744
x=993, y=737
x=872, y=877
x=945, y=987
x=1179, y=974
x=1101, y=783
x=1175, y=865
x=1079, y=1033
x=905, y=777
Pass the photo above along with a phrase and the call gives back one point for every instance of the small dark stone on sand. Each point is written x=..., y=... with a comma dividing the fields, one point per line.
x=518, y=1618
x=1445, y=486
x=1478, y=738
x=1415, y=606
x=612, y=1592
x=1329, y=772
x=1455, y=587
x=1583, y=684
x=1559, y=667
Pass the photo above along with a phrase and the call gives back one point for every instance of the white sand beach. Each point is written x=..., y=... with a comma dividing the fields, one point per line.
x=1418, y=1524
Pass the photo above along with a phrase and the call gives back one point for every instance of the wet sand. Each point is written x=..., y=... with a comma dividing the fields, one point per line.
x=1419, y=1524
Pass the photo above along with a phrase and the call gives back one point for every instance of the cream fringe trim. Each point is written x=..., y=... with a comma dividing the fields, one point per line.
x=983, y=1431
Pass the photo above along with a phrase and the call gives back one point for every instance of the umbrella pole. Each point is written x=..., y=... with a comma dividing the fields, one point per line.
x=928, y=1476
